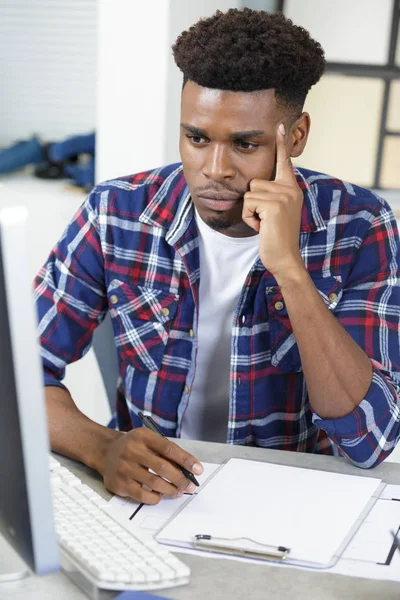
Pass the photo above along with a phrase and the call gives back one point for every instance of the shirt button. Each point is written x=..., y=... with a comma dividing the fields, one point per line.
x=114, y=299
x=165, y=312
x=191, y=333
x=279, y=305
x=186, y=389
x=332, y=298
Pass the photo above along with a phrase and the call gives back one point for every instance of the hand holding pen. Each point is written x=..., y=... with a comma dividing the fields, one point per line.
x=145, y=465
x=152, y=425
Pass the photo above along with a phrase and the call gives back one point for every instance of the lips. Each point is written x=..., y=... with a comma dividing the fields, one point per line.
x=221, y=196
x=219, y=201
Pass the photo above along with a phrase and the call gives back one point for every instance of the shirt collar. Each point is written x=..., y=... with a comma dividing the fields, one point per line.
x=171, y=206
x=311, y=218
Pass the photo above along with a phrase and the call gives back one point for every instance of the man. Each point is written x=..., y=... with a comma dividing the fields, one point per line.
x=251, y=302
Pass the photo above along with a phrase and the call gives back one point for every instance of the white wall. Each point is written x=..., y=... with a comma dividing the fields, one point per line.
x=131, y=86
x=355, y=31
x=138, y=85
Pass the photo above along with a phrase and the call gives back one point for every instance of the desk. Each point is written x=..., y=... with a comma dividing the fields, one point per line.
x=222, y=579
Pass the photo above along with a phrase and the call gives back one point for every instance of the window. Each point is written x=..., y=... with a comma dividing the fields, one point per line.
x=355, y=108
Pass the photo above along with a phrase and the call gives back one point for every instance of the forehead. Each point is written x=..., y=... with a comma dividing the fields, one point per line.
x=234, y=111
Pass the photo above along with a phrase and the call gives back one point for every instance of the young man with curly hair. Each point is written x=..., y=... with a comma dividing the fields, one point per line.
x=252, y=302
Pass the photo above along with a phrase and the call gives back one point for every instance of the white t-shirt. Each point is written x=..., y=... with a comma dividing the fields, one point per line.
x=224, y=265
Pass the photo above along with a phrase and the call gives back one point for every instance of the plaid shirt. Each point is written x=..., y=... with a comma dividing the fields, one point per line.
x=132, y=249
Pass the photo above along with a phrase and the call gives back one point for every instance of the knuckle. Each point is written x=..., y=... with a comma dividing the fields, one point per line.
x=138, y=495
x=168, y=449
x=248, y=196
x=134, y=434
x=145, y=497
x=141, y=433
x=153, y=481
x=132, y=490
x=162, y=468
x=255, y=184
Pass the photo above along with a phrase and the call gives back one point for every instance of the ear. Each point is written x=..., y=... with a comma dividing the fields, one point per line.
x=298, y=134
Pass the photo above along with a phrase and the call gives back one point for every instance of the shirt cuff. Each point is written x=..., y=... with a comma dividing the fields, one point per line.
x=378, y=408
x=51, y=380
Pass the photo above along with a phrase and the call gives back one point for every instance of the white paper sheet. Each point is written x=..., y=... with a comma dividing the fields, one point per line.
x=370, y=554
x=311, y=512
x=152, y=518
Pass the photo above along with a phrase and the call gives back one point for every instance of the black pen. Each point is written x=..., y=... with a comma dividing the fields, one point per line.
x=150, y=424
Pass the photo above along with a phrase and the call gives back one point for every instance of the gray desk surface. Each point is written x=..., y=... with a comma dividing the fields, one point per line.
x=220, y=579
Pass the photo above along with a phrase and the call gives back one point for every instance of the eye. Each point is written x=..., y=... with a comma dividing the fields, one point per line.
x=196, y=139
x=246, y=145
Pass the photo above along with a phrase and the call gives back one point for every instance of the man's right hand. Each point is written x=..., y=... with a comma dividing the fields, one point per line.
x=128, y=458
x=123, y=460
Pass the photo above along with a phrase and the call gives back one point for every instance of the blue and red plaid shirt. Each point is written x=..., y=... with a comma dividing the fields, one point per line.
x=132, y=249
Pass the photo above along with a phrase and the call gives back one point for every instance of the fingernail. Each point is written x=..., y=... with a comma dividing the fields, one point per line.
x=197, y=468
x=179, y=494
x=191, y=488
x=281, y=129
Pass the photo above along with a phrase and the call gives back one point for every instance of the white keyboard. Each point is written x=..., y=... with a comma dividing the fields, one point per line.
x=103, y=551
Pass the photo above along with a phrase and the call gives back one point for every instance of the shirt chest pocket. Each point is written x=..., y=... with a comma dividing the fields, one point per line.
x=141, y=319
x=284, y=351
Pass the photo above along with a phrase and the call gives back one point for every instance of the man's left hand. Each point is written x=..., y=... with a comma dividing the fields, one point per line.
x=273, y=208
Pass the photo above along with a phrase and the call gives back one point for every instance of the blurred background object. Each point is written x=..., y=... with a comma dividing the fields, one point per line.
x=71, y=158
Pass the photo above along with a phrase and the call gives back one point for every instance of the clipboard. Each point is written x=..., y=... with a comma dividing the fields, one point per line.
x=209, y=521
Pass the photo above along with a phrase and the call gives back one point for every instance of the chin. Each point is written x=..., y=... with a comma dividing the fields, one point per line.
x=222, y=221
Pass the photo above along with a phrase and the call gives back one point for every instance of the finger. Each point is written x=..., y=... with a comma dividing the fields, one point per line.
x=260, y=185
x=157, y=483
x=128, y=488
x=284, y=168
x=250, y=215
x=175, y=454
x=167, y=470
x=255, y=201
x=135, y=491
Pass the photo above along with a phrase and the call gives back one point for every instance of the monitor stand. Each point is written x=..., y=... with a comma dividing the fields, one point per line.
x=11, y=566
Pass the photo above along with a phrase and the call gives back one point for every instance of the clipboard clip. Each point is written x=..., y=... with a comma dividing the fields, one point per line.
x=245, y=547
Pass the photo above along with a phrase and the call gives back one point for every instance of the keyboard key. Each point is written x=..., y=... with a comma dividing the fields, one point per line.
x=108, y=553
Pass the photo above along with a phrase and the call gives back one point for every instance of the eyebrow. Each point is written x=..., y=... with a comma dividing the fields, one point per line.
x=238, y=135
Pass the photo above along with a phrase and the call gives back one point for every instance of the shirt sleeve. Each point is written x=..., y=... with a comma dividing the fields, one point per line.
x=70, y=294
x=369, y=311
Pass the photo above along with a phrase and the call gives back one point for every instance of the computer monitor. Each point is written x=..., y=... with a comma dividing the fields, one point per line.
x=26, y=512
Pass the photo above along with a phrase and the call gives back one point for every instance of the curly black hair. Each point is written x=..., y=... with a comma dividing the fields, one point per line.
x=245, y=50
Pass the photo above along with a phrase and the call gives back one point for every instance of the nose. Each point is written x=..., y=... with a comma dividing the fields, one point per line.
x=218, y=164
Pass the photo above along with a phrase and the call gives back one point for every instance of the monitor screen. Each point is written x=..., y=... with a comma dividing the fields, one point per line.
x=26, y=513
